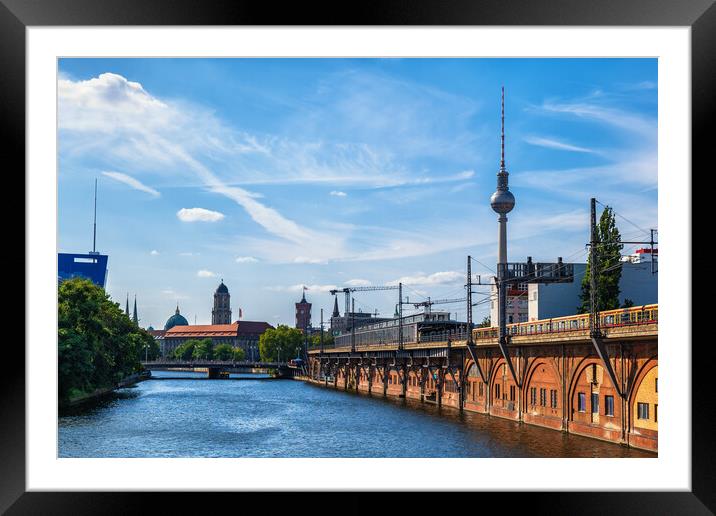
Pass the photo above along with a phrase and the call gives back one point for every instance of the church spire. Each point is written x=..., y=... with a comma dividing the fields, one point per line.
x=336, y=313
x=135, y=319
x=126, y=307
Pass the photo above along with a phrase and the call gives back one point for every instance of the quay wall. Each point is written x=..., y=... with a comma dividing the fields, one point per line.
x=562, y=386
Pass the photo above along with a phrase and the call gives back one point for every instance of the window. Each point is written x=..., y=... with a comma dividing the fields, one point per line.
x=608, y=405
x=481, y=389
x=656, y=385
x=553, y=398
x=595, y=403
x=656, y=407
x=543, y=397
x=497, y=391
x=512, y=393
x=642, y=410
x=581, y=402
x=533, y=395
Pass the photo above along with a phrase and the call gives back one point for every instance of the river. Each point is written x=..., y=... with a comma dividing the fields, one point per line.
x=251, y=417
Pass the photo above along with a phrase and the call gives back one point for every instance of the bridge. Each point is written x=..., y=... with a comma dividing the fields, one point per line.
x=555, y=374
x=221, y=368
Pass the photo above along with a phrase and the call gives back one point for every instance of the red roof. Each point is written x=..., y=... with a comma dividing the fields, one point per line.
x=203, y=330
x=253, y=327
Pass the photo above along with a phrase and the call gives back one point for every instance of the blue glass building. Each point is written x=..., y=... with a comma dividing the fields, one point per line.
x=92, y=266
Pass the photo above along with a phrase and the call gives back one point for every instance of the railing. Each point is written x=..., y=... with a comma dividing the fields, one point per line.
x=609, y=319
x=623, y=317
x=203, y=363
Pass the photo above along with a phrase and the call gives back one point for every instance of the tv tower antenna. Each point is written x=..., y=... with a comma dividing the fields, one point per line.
x=94, y=231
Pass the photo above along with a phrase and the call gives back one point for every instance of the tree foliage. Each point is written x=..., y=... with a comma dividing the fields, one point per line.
x=98, y=345
x=486, y=322
x=280, y=344
x=609, y=271
x=315, y=340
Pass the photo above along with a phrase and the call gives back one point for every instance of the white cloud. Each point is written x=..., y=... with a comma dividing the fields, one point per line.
x=132, y=182
x=154, y=252
x=246, y=259
x=338, y=193
x=555, y=144
x=188, y=254
x=199, y=215
x=358, y=283
x=203, y=273
x=437, y=278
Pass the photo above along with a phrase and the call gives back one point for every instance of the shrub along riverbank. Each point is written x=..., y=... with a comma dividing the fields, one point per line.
x=99, y=347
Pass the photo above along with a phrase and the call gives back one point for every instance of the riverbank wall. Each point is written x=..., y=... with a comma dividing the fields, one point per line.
x=563, y=387
x=104, y=391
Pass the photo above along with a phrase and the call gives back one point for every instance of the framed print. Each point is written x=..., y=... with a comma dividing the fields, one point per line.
x=413, y=249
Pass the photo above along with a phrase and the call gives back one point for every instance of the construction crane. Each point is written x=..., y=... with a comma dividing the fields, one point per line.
x=429, y=303
x=347, y=291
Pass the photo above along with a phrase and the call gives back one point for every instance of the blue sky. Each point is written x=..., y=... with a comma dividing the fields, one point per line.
x=278, y=173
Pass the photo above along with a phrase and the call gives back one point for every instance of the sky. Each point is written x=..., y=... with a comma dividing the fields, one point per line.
x=274, y=174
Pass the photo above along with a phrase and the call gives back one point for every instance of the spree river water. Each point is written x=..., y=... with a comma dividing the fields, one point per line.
x=250, y=417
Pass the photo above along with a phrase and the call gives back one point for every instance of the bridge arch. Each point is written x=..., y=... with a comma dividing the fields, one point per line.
x=503, y=389
x=475, y=388
x=543, y=394
x=593, y=400
x=645, y=392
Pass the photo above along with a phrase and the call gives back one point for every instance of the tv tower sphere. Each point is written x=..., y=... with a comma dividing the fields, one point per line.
x=502, y=201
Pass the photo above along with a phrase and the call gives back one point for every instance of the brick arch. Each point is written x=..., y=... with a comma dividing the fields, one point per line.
x=504, y=401
x=549, y=381
x=645, y=369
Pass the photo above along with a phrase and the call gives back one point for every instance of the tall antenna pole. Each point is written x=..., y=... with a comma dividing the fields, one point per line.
x=94, y=233
x=502, y=132
x=593, y=269
x=400, y=316
x=469, y=300
x=321, y=331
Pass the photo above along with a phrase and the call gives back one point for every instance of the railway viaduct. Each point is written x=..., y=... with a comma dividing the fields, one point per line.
x=562, y=379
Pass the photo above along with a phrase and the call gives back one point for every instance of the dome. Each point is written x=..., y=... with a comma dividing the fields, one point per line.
x=502, y=201
x=150, y=328
x=221, y=289
x=176, y=320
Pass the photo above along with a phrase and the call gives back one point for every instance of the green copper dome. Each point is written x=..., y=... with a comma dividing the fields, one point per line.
x=175, y=320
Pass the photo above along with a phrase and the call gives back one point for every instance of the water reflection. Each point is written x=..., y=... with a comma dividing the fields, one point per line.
x=264, y=417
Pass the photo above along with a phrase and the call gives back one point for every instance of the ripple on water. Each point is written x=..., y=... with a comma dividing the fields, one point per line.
x=271, y=418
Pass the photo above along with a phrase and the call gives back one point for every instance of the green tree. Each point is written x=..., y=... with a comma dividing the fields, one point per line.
x=203, y=349
x=315, y=340
x=239, y=354
x=608, y=251
x=281, y=343
x=98, y=345
x=486, y=322
x=185, y=350
x=628, y=303
x=223, y=352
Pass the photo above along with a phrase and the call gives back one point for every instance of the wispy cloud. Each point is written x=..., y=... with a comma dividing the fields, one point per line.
x=338, y=193
x=436, y=278
x=199, y=215
x=358, y=283
x=131, y=182
x=154, y=252
x=246, y=259
x=551, y=143
x=203, y=273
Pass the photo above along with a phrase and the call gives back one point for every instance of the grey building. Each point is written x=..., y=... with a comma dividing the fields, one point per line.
x=638, y=283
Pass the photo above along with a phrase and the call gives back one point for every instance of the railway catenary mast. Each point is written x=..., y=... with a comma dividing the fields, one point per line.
x=502, y=202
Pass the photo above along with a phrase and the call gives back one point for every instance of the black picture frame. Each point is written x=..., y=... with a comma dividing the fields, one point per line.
x=17, y=15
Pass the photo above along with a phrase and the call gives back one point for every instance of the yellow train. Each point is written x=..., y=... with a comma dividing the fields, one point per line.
x=635, y=315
